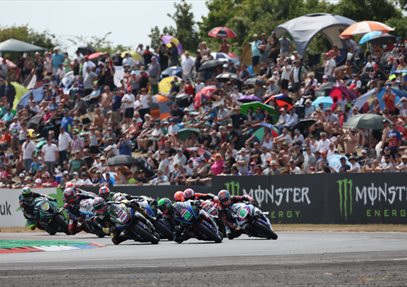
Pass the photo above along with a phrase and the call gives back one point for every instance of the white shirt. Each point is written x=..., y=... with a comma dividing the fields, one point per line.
x=28, y=150
x=330, y=68
x=128, y=101
x=187, y=65
x=64, y=139
x=89, y=64
x=49, y=152
x=144, y=99
x=286, y=72
x=323, y=145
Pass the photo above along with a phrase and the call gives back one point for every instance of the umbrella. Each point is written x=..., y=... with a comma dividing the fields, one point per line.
x=225, y=77
x=9, y=63
x=244, y=109
x=94, y=95
x=204, y=94
x=34, y=121
x=38, y=95
x=334, y=161
x=259, y=130
x=167, y=39
x=365, y=27
x=282, y=101
x=13, y=45
x=210, y=64
x=365, y=121
x=164, y=86
x=40, y=144
x=160, y=107
x=172, y=71
x=304, y=124
x=339, y=93
x=185, y=133
x=326, y=102
x=135, y=55
x=20, y=91
x=377, y=37
x=222, y=33
x=96, y=55
x=254, y=81
x=121, y=160
x=249, y=98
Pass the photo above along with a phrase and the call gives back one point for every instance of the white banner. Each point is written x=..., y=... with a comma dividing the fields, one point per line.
x=10, y=213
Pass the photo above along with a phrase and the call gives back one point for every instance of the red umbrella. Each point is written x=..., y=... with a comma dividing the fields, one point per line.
x=222, y=33
x=204, y=94
x=96, y=55
x=282, y=101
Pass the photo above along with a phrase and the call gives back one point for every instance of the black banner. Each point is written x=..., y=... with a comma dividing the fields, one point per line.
x=320, y=198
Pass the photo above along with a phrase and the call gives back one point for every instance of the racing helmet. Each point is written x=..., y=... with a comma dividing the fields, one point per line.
x=179, y=196
x=224, y=197
x=118, y=197
x=69, y=195
x=104, y=191
x=99, y=205
x=70, y=184
x=164, y=204
x=189, y=193
x=27, y=191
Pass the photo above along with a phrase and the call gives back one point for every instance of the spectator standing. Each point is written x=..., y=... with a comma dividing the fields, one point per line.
x=50, y=156
x=28, y=149
x=64, y=145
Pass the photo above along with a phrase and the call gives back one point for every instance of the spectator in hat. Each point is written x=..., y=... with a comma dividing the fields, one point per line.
x=402, y=166
x=354, y=165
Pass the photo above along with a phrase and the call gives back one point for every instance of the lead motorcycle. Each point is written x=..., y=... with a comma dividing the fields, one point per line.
x=197, y=222
x=252, y=221
x=126, y=219
x=49, y=217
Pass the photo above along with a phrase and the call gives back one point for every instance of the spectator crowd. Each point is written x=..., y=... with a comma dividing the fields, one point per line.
x=88, y=115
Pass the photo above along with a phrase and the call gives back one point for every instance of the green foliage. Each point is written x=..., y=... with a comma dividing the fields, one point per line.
x=376, y=10
x=24, y=33
x=186, y=30
x=155, y=37
x=400, y=25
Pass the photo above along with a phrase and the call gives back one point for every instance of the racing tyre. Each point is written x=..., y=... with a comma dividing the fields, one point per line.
x=209, y=233
x=60, y=223
x=265, y=230
x=163, y=230
x=144, y=234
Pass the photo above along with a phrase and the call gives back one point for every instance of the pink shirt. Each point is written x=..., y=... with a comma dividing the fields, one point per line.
x=217, y=167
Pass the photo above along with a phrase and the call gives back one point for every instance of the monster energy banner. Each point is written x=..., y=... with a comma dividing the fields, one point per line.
x=324, y=198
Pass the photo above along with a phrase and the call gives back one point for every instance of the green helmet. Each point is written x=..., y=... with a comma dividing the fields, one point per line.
x=27, y=191
x=164, y=203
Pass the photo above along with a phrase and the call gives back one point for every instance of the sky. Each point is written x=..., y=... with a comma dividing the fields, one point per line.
x=129, y=21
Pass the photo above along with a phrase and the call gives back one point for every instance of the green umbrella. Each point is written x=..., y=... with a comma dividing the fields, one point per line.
x=254, y=105
x=365, y=121
x=186, y=132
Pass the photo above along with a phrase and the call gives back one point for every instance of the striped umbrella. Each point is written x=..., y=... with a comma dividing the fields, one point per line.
x=365, y=27
x=160, y=107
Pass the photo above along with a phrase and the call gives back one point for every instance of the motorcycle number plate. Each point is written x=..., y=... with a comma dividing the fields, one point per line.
x=243, y=213
x=121, y=215
x=186, y=214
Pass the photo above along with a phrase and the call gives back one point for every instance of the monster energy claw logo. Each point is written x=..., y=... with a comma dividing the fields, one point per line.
x=233, y=187
x=345, y=189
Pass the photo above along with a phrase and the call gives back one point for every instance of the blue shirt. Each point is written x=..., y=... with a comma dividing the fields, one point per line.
x=67, y=123
x=57, y=59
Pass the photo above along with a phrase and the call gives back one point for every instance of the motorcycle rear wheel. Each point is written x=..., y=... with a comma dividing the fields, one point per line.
x=209, y=233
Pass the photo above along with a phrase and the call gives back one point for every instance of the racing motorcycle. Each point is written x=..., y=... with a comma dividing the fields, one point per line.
x=158, y=220
x=197, y=222
x=252, y=221
x=211, y=209
x=49, y=217
x=125, y=219
x=87, y=218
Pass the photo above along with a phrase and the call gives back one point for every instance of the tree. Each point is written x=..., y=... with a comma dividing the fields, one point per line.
x=98, y=43
x=185, y=25
x=23, y=33
x=155, y=37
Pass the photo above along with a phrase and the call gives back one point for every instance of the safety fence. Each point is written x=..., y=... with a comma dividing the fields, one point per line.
x=324, y=198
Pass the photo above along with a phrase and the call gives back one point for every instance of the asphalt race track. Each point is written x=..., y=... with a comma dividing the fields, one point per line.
x=295, y=259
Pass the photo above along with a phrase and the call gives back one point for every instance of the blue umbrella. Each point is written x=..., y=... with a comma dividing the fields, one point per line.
x=376, y=36
x=172, y=71
x=399, y=94
x=38, y=95
x=326, y=102
x=334, y=161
